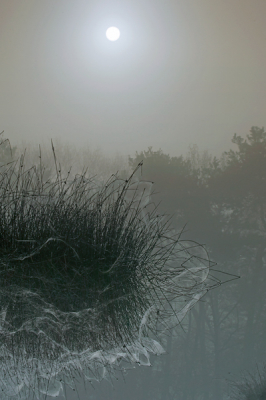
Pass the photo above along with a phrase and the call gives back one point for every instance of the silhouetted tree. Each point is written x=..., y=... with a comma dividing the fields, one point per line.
x=239, y=198
x=224, y=203
x=182, y=186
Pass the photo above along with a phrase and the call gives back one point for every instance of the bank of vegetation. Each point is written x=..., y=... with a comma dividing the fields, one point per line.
x=221, y=202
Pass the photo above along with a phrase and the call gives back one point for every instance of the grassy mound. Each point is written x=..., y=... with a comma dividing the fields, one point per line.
x=88, y=276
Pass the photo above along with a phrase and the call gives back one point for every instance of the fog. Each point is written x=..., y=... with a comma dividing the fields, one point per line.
x=181, y=73
x=182, y=79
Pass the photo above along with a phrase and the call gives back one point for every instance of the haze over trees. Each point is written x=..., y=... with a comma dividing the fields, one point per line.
x=222, y=203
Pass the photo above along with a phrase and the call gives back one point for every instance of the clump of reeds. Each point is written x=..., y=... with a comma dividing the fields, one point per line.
x=251, y=386
x=88, y=276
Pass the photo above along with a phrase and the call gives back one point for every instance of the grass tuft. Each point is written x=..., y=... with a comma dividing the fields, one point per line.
x=251, y=387
x=89, y=276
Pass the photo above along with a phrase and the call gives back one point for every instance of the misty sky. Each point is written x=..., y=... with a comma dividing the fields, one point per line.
x=182, y=72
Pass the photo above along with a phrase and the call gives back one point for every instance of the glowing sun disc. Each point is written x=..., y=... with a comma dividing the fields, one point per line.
x=113, y=33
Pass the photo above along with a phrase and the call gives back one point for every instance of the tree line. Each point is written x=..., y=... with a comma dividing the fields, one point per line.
x=222, y=203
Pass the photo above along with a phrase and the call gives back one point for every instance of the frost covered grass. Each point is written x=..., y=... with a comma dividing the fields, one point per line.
x=89, y=276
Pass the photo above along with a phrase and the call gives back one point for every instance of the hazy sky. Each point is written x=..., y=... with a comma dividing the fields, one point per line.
x=182, y=72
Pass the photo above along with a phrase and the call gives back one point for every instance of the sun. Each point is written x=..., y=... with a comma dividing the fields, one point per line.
x=113, y=33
